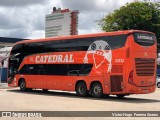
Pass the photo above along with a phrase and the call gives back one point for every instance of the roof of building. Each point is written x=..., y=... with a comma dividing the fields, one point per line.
x=10, y=40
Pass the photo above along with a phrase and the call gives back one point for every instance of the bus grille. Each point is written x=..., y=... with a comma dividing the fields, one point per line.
x=144, y=66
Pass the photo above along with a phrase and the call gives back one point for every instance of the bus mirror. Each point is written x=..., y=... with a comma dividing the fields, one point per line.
x=13, y=57
x=17, y=59
x=15, y=71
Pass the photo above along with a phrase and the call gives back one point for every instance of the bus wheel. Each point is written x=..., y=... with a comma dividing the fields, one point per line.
x=45, y=90
x=158, y=85
x=23, y=85
x=81, y=89
x=97, y=90
x=120, y=96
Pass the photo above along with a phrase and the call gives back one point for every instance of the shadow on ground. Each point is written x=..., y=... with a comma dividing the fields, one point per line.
x=127, y=99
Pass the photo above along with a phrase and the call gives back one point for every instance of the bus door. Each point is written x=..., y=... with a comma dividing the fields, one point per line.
x=42, y=76
x=37, y=76
x=32, y=78
x=72, y=76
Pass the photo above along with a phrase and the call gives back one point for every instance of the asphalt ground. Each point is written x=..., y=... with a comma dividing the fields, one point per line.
x=12, y=99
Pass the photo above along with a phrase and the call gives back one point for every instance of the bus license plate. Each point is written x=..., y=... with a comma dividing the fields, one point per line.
x=145, y=90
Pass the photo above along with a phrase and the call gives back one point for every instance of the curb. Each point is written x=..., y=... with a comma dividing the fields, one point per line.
x=3, y=86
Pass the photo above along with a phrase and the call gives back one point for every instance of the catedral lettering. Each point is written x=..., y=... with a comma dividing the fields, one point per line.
x=113, y=63
x=54, y=58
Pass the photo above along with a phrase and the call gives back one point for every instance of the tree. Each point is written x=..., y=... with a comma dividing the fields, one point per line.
x=136, y=16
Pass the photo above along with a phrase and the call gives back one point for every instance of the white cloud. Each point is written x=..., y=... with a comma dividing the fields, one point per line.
x=36, y=34
x=16, y=21
x=12, y=3
x=26, y=18
x=22, y=22
x=91, y=11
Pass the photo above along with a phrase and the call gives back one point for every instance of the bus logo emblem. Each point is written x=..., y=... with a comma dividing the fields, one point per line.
x=31, y=59
x=101, y=48
x=145, y=54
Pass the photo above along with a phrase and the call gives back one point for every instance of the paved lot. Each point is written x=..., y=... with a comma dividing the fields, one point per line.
x=15, y=100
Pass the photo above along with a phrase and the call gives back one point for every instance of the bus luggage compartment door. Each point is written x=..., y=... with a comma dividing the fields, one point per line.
x=116, y=83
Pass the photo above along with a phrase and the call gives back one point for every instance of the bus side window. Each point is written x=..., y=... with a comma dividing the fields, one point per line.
x=79, y=69
x=42, y=69
x=33, y=70
x=73, y=73
x=56, y=69
x=16, y=49
x=85, y=69
x=54, y=46
x=39, y=47
x=24, y=70
x=84, y=43
x=69, y=45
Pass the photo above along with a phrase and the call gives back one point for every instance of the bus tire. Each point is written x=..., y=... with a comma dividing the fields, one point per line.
x=81, y=89
x=97, y=90
x=158, y=85
x=22, y=85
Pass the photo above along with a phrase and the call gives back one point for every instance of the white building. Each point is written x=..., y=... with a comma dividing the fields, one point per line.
x=5, y=49
x=61, y=23
x=4, y=53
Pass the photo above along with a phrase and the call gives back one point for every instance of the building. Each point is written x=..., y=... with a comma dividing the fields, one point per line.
x=61, y=23
x=6, y=45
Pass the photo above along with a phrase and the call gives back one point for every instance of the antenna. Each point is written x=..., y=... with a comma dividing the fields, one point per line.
x=54, y=9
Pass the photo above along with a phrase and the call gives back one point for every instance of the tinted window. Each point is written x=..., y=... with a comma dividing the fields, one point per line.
x=15, y=60
x=54, y=46
x=79, y=69
x=79, y=44
x=33, y=69
x=33, y=48
x=69, y=45
x=84, y=43
x=24, y=70
x=144, y=39
x=114, y=42
x=85, y=69
x=16, y=49
x=57, y=69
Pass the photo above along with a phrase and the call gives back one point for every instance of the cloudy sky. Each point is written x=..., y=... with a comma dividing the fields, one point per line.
x=26, y=18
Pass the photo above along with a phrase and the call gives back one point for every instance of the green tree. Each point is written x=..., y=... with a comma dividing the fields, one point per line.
x=136, y=16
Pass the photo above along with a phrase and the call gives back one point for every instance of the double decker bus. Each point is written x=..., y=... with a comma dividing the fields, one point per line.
x=113, y=63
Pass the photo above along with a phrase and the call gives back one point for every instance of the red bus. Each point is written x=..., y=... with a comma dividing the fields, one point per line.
x=113, y=63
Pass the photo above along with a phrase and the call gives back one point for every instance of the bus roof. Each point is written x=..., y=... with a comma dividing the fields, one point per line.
x=82, y=36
